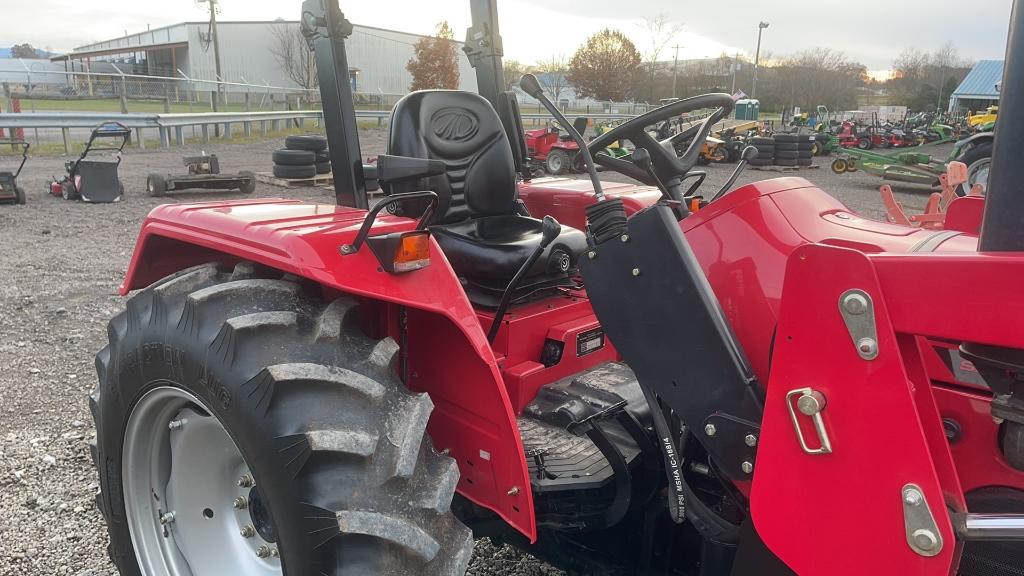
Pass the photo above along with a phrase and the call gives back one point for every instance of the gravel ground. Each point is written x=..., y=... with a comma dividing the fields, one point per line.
x=61, y=266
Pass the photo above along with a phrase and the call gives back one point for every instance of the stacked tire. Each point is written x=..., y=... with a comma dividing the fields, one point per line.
x=303, y=156
x=793, y=149
x=765, y=150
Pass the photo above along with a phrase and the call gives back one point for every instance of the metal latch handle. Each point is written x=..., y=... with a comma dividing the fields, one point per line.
x=810, y=403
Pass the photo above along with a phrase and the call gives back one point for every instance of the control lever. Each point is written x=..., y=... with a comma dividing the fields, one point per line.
x=749, y=153
x=531, y=86
x=550, y=229
x=642, y=158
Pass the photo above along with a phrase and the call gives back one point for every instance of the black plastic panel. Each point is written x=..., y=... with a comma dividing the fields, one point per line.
x=657, y=308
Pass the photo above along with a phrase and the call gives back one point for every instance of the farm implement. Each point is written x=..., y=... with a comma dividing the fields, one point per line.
x=10, y=191
x=596, y=373
x=912, y=165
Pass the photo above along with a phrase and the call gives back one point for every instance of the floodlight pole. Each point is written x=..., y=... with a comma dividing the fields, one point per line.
x=757, y=57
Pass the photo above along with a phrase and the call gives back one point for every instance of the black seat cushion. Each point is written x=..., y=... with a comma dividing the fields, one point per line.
x=476, y=222
x=494, y=248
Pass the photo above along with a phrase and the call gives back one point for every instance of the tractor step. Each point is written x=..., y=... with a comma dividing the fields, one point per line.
x=559, y=453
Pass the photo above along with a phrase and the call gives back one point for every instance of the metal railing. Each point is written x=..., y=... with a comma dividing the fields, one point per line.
x=170, y=127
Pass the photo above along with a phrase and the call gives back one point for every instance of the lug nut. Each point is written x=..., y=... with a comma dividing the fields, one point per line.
x=747, y=467
x=591, y=254
x=750, y=440
x=247, y=531
x=636, y=271
x=246, y=481
x=710, y=430
x=855, y=304
x=913, y=497
x=925, y=539
x=167, y=518
x=263, y=551
x=867, y=346
x=241, y=503
x=274, y=553
x=625, y=237
x=176, y=424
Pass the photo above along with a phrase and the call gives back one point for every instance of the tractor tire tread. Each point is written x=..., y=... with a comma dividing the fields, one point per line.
x=315, y=405
x=308, y=142
x=289, y=157
x=294, y=172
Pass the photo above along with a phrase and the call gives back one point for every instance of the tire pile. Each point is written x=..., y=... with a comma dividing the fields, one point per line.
x=793, y=150
x=303, y=156
x=783, y=150
x=765, y=150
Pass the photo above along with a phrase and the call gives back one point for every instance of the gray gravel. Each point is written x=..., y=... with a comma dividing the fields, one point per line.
x=59, y=270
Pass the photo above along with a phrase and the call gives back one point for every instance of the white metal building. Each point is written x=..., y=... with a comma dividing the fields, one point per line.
x=377, y=57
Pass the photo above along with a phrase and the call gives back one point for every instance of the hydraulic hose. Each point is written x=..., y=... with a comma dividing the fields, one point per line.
x=673, y=460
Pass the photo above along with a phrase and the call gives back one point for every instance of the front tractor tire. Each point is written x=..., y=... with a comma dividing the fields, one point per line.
x=558, y=162
x=244, y=426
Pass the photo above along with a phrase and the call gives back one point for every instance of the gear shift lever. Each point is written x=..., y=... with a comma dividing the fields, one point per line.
x=550, y=229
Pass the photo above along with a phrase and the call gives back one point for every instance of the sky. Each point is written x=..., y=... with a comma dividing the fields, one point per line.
x=872, y=32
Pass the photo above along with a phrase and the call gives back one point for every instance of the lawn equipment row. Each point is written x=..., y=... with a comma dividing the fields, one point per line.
x=618, y=378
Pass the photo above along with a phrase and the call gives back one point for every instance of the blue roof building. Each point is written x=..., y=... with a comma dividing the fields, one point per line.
x=980, y=87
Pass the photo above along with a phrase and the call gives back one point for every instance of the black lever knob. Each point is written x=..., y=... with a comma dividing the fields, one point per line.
x=530, y=85
x=642, y=158
x=550, y=230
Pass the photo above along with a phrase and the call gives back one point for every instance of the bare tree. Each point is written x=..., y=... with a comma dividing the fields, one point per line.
x=512, y=70
x=293, y=56
x=555, y=80
x=660, y=30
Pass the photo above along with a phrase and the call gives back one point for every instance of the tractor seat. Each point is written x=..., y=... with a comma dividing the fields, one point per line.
x=476, y=222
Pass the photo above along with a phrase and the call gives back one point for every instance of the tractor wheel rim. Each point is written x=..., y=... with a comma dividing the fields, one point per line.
x=977, y=173
x=555, y=162
x=187, y=493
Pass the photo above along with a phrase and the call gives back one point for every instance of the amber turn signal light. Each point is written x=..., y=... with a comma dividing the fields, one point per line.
x=412, y=251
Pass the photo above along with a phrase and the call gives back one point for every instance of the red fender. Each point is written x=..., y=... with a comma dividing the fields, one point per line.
x=451, y=359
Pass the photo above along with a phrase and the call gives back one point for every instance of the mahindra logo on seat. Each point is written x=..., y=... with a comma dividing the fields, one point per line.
x=454, y=124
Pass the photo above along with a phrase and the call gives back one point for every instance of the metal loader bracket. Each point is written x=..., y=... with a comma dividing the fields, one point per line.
x=923, y=535
x=859, y=316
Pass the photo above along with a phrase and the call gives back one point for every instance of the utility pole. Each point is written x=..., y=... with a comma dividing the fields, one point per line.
x=735, y=67
x=757, y=57
x=942, y=81
x=675, y=64
x=216, y=49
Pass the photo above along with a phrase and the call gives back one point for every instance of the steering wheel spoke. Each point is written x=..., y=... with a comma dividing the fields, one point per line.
x=666, y=164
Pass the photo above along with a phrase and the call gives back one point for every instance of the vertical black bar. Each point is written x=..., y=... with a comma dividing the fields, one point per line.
x=483, y=46
x=326, y=28
x=1002, y=229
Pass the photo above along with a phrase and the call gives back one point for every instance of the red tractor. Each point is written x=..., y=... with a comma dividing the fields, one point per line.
x=556, y=153
x=758, y=387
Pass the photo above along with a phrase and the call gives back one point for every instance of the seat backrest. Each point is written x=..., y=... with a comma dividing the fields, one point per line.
x=462, y=130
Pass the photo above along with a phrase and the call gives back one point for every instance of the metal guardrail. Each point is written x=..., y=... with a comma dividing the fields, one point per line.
x=170, y=125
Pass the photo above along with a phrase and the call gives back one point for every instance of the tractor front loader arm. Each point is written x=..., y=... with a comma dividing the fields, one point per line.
x=445, y=350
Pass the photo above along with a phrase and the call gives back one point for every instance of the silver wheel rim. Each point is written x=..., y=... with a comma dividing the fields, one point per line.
x=977, y=173
x=555, y=162
x=187, y=491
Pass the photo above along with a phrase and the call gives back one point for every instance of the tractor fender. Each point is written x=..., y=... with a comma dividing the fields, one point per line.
x=971, y=141
x=449, y=356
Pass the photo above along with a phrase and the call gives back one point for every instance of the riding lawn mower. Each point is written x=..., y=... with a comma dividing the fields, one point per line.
x=618, y=378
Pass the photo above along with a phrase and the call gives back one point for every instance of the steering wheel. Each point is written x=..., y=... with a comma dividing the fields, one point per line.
x=668, y=168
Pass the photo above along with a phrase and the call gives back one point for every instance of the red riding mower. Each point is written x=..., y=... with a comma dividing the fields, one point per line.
x=758, y=387
x=95, y=180
x=550, y=150
x=10, y=192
